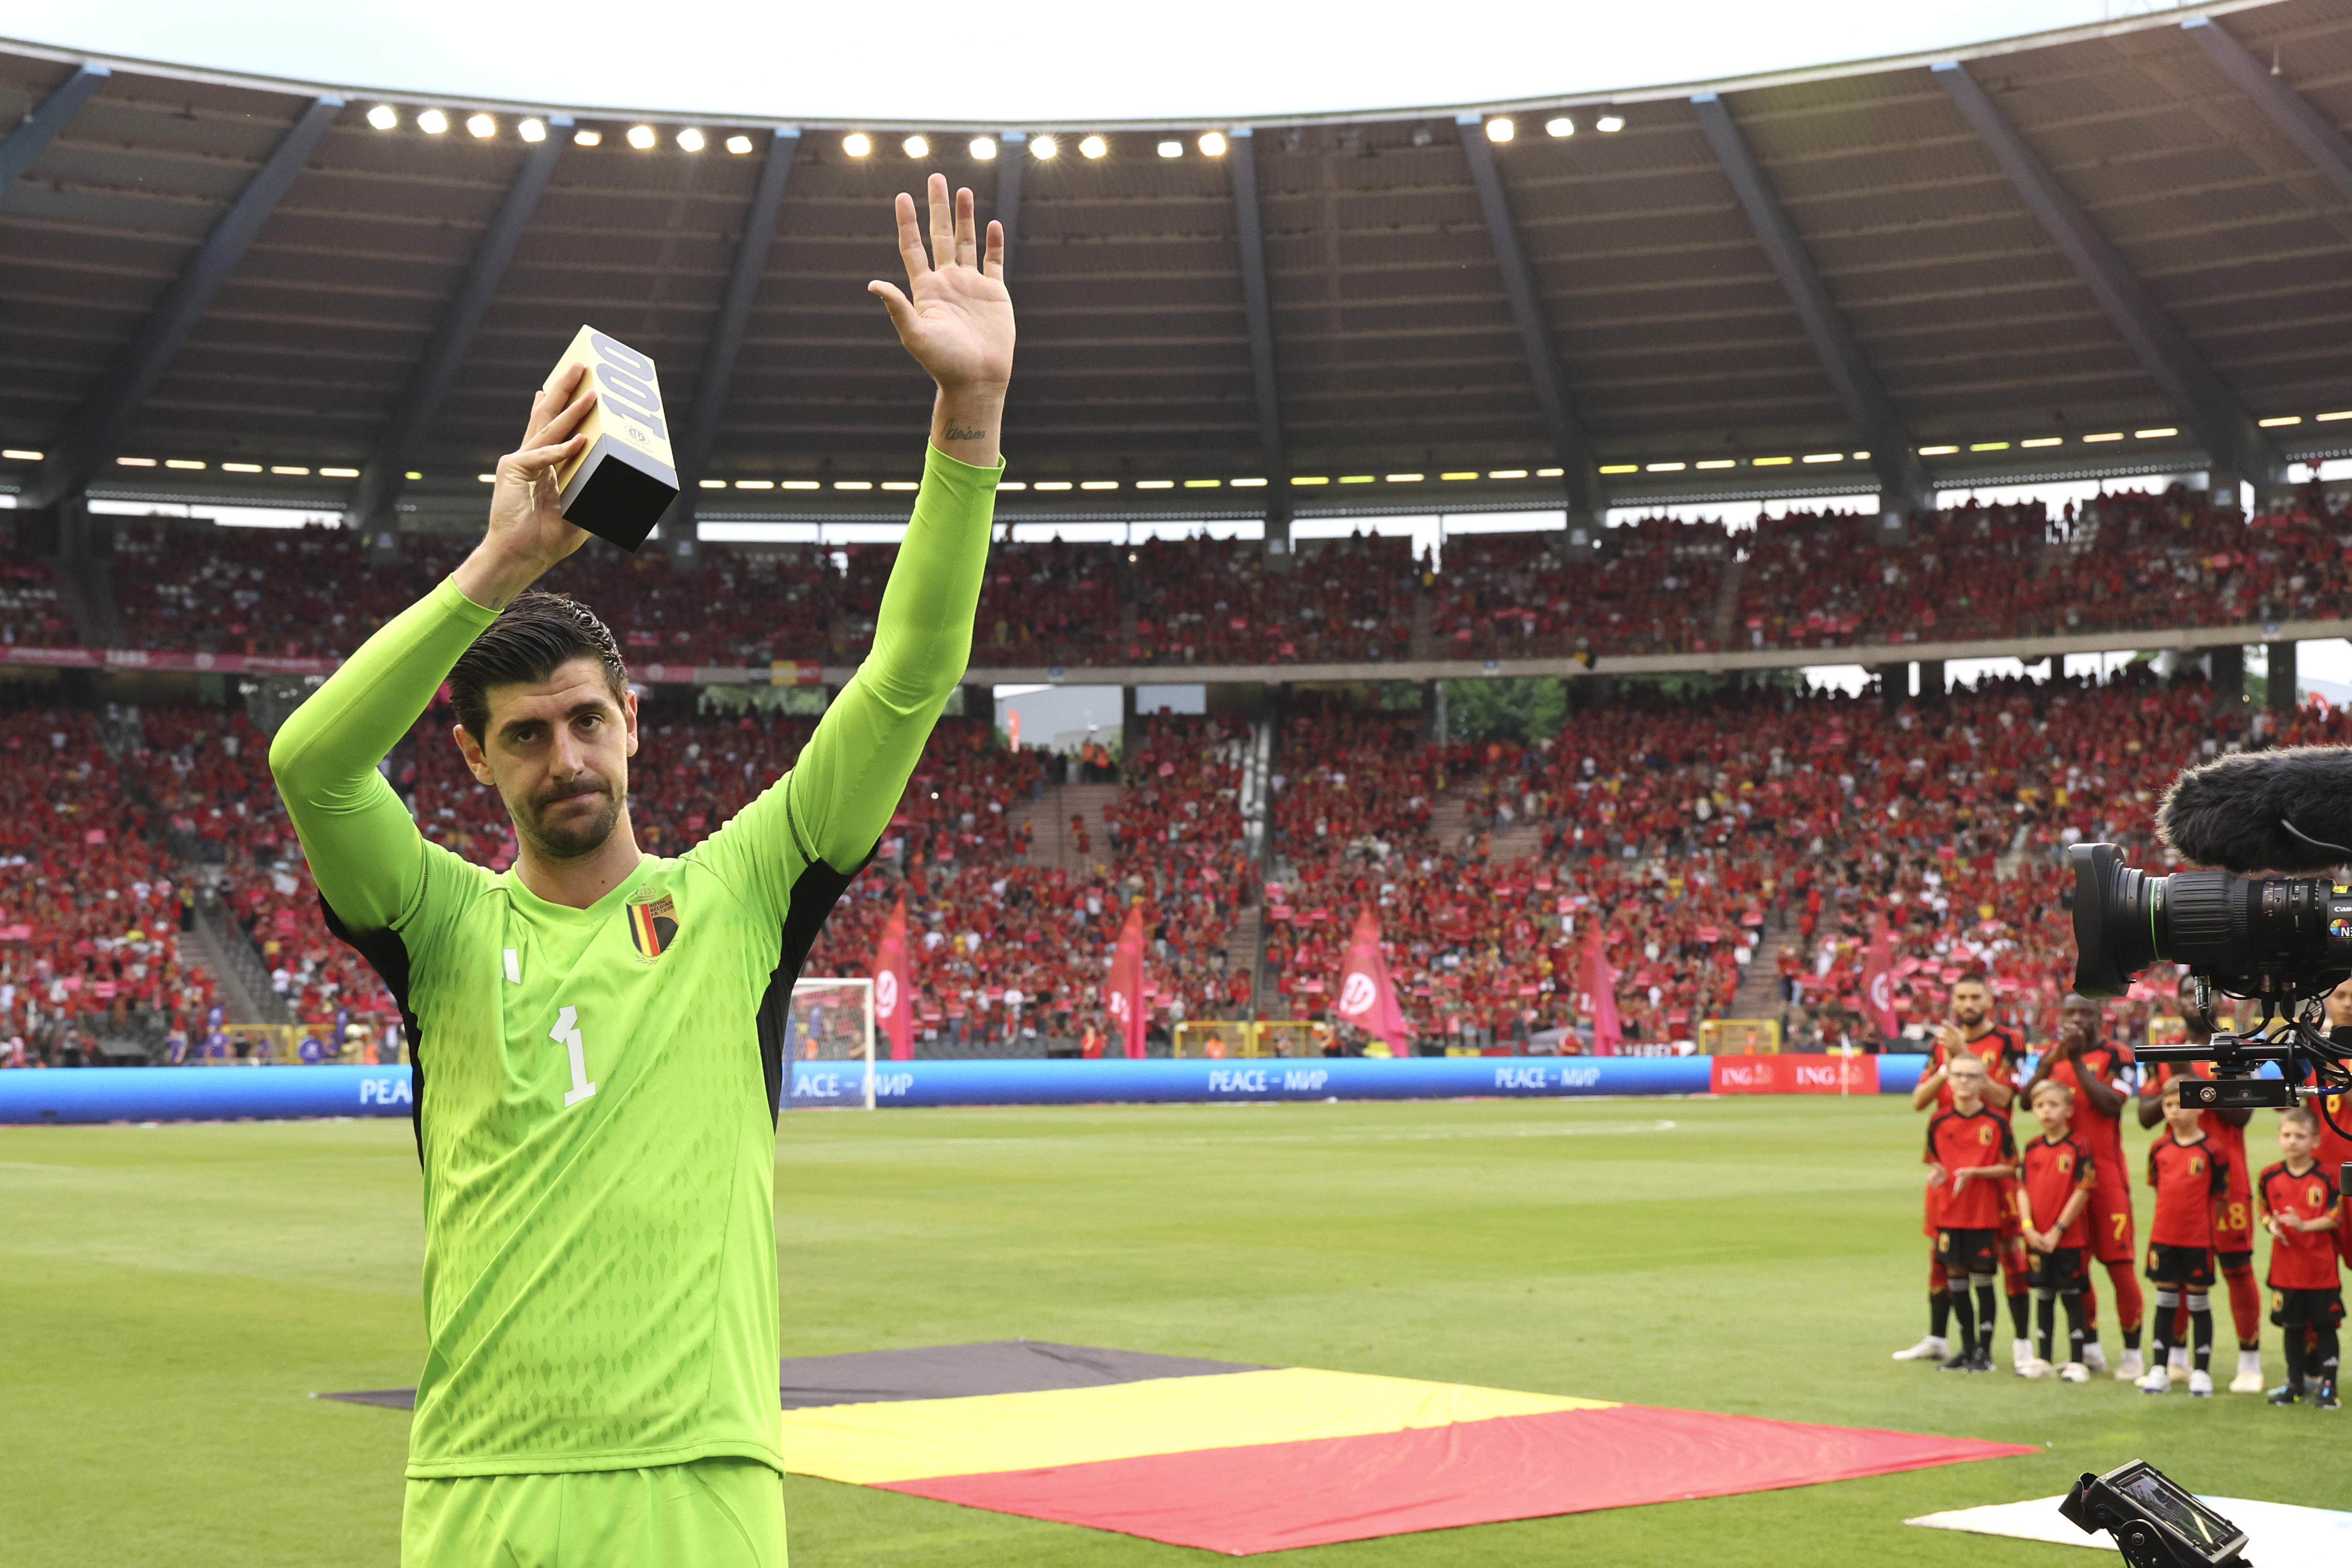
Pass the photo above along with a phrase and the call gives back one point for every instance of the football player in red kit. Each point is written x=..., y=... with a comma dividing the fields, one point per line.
x=1998, y=1048
x=2233, y=1227
x=1970, y=1153
x=2189, y=1176
x=2093, y=1067
x=2301, y=1210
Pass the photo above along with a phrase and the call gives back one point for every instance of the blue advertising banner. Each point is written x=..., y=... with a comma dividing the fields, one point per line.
x=234, y=1093
x=1066, y=1082
x=1899, y=1074
x=201, y=1093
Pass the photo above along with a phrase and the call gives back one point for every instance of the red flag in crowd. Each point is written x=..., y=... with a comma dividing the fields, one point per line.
x=1601, y=994
x=1878, y=984
x=1367, y=999
x=894, y=1009
x=1124, y=995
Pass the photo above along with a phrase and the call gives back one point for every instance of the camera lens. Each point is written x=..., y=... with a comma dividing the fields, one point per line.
x=2258, y=937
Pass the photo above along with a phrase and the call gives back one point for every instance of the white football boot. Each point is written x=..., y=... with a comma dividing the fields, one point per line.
x=2127, y=1370
x=2250, y=1373
x=2157, y=1381
x=2020, y=1354
x=2201, y=1384
x=2177, y=1360
x=2075, y=1372
x=2037, y=1368
x=2093, y=1357
x=1933, y=1347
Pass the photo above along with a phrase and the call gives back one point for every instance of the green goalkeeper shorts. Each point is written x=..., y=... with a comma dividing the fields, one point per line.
x=712, y=1513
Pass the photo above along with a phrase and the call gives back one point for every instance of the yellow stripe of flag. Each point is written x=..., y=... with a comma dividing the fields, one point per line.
x=915, y=1439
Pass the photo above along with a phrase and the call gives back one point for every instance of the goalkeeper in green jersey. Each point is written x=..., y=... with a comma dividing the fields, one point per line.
x=598, y=1032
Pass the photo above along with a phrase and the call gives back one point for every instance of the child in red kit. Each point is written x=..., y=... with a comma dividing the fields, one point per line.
x=2299, y=1200
x=2060, y=1176
x=1969, y=1151
x=2190, y=1179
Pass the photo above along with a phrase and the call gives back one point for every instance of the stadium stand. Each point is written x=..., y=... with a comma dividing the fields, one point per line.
x=1701, y=834
x=1801, y=580
x=1685, y=828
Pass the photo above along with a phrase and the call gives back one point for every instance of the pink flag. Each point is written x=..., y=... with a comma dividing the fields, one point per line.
x=894, y=1010
x=1124, y=995
x=1367, y=999
x=1878, y=984
x=1600, y=996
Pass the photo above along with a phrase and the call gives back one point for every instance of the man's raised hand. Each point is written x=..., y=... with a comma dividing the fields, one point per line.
x=526, y=533
x=956, y=318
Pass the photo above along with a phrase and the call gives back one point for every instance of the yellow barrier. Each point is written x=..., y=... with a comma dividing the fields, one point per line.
x=1215, y=1038
x=1739, y=1037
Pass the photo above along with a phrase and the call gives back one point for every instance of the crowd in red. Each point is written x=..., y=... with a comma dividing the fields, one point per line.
x=1686, y=828
x=90, y=909
x=1680, y=828
x=1806, y=580
x=30, y=615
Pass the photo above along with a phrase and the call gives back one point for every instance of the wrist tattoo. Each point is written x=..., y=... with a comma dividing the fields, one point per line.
x=957, y=433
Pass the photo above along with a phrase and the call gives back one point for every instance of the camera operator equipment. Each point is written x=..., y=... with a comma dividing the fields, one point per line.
x=2281, y=942
x=2155, y=1524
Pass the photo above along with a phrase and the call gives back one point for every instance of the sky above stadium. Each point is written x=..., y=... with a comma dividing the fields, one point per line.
x=1038, y=61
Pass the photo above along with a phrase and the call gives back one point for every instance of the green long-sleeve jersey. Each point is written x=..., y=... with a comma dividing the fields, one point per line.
x=595, y=1089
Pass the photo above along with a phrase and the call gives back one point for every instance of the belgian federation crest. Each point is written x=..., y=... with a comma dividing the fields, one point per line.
x=653, y=925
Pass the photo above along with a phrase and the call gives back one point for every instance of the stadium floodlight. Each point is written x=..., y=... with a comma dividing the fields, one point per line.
x=433, y=122
x=225, y=468
x=1042, y=147
x=858, y=144
x=532, y=130
x=1609, y=124
x=983, y=148
x=1213, y=144
x=587, y=138
x=481, y=126
x=2158, y=433
x=1502, y=127
x=691, y=140
x=1560, y=125
x=738, y=145
x=384, y=117
x=915, y=146
x=1171, y=150
x=641, y=137
x=21, y=454
x=1094, y=147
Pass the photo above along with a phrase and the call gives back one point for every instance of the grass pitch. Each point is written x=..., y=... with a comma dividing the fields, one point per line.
x=168, y=1297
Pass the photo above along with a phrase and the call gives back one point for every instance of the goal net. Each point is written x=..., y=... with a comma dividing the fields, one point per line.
x=829, y=1044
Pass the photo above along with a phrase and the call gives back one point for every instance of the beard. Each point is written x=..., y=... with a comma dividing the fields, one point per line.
x=570, y=840
x=1968, y=1018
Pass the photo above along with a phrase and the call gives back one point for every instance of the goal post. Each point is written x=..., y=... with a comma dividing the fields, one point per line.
x=830, y=1022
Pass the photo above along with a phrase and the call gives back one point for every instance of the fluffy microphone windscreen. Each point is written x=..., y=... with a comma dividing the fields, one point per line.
x=2226, y=813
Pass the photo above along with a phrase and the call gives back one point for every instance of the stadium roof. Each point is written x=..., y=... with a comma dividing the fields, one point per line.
x=1775, y=285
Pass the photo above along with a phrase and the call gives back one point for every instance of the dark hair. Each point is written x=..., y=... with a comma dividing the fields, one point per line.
x=530, y=640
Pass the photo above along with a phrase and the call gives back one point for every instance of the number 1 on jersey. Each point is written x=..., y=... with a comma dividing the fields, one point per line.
x=568, y=1036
